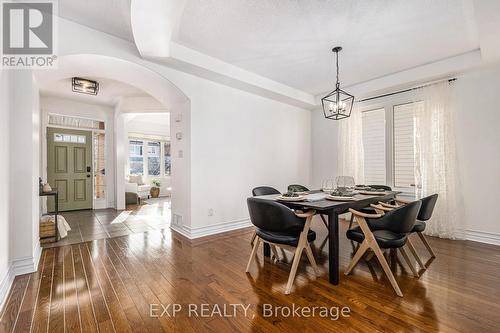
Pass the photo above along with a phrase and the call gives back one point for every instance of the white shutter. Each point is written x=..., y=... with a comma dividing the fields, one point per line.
x=374, y=146
x=404, y=149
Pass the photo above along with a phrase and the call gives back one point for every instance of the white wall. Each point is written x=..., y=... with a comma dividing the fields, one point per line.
x=237, y=140
x=240, y=141
x=478, y=140
x=24, y=160
x=324, y=136
x=64, y=106
x=5, y=276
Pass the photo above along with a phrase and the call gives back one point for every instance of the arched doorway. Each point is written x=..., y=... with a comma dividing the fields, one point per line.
x=172, y=98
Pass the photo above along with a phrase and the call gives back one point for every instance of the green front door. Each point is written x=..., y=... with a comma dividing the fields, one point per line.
x=69, y=168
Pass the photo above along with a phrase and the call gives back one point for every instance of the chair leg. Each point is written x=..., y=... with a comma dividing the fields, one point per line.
x=408, y=262
x=275, y=252
x=357, y=256
x=415, y=254
x=324, y=221
x=310, y=256
x=253, y=237
x=293, y=271
x=427, y=245
x=252, y=254
x=387, y=270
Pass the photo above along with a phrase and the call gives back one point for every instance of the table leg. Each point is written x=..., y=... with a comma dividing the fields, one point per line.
x=333, y=247
x=267, y=250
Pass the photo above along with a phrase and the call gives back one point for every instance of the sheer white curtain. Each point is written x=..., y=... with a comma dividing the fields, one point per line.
x=350, y=152
x=436, y=167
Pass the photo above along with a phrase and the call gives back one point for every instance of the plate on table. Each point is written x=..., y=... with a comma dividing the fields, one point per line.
x=340, y=198
x=372, y=192
x=291, y=199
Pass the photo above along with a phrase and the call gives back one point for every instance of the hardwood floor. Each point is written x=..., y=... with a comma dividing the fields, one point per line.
x=107, y=285
x=88, y=225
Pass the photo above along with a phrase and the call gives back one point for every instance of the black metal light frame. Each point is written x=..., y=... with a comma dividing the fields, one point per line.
x=338, y=103
x=84, y=86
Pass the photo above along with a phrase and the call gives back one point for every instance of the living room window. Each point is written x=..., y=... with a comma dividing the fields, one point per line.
x=149, y=157
x=389, y=144
x=154, y=158
x=136, y=157
x=168, y=158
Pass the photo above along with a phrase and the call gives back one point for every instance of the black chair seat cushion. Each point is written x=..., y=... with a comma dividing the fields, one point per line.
x=385, y=238
x=419, y=226
x=284, y=238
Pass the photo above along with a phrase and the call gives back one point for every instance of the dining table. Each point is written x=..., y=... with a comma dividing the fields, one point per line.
x=332, y=209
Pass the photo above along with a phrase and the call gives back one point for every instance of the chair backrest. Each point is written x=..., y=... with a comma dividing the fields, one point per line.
x=402, y=219
x=428, y=204
x=381, y=187
x=272, y=216
x=264, y=190
x=297, y=188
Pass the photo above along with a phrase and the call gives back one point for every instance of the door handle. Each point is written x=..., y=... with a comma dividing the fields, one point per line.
x=88, y=176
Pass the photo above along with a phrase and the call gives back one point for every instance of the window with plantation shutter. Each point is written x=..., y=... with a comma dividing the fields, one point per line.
x=374, y=146
x=404, y=146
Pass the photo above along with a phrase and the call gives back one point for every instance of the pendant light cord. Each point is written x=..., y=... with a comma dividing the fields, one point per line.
x=337, y=62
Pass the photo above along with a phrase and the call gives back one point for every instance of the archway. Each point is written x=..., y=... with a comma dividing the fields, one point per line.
x=159, y=87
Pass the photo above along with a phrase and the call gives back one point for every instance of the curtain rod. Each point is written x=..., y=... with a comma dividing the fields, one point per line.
x=406, y=90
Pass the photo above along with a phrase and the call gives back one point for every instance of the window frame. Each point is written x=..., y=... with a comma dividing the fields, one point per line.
x=145, y=154
x=388, y=104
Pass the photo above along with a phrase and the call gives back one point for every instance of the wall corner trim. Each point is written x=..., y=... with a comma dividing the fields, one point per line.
x=193, y=233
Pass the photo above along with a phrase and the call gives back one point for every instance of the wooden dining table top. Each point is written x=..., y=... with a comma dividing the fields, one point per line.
x=325, y=204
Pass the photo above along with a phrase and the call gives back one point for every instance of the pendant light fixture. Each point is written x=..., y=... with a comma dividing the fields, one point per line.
x=337, y=104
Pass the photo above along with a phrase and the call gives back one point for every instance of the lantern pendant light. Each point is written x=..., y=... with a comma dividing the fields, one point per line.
x=338, y=103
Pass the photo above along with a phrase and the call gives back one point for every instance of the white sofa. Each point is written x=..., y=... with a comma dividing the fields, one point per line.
x=135, y=184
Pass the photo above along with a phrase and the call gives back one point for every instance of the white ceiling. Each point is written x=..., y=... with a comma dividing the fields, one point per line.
x=151, y=124
x=110, y=91
x=110, y=16
x=290, y=41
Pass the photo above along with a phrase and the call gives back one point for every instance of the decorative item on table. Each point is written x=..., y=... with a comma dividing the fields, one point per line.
x=342, y=195
x=46, y=188
x=328, y=186
x=369, y=190
x=155, y=189
x=298, y=189
x=345, y=183
x=291, y=196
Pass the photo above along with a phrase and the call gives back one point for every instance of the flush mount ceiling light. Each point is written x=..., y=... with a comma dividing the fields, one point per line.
x=337, y=104
x=85, y=86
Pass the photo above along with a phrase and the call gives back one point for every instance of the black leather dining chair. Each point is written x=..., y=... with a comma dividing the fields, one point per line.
x=369, y=210
x=383, y=230
x=297, y=188
x=302, y=188
x=263, y=190
x=424, y=215
x=278, y=225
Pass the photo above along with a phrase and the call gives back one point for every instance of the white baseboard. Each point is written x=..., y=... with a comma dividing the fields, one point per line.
x=28, y=264
x=213, y=229
x=18, y=267
x=5, y=286
x=482, y=236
